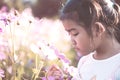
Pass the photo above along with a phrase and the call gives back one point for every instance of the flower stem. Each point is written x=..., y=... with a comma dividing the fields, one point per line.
x=36, y=61
x=12, y=52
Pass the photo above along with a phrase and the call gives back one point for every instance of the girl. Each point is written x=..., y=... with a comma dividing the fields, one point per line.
x=94, y=28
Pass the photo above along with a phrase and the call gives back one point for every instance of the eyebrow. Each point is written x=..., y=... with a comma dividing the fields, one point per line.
x=71, y=29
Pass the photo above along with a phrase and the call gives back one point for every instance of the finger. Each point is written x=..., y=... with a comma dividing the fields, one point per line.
x=50, y=72
x=57, y=78
x=54, y=67
x=54, y=70
x=58, y=72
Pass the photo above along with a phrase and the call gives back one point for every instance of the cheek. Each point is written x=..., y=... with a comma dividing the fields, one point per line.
x=83, y=43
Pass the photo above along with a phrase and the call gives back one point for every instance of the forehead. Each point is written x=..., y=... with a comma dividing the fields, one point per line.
x=69, y=24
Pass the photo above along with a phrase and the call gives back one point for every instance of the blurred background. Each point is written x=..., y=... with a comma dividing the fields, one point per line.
x=32, y=38
x=41, y=8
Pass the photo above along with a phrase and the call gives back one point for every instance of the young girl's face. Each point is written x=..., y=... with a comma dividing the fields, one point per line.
x=80, y=39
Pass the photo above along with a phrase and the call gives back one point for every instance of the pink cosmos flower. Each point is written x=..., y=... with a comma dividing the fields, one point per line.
x=2, y=73
x=61, y=56
x=4, y=9
x=4, y=19
x=2, y=56
x=0, y=30
x=49, y=78
x=7, y=18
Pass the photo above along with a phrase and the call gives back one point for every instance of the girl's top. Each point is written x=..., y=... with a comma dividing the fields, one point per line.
x=92, y=69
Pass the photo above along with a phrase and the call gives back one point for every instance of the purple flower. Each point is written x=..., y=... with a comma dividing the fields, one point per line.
x=2, y=56
x=4, y=19
x=0, y=30
x=2, y=73
x=4, y=9
x=48, y=78
x=61, y=56
x=8, y=18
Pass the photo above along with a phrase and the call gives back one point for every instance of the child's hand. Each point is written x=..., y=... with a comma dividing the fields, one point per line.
x=55, y=72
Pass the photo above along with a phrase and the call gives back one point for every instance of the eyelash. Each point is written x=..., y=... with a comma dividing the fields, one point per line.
x=72, y=34
x=75, y=34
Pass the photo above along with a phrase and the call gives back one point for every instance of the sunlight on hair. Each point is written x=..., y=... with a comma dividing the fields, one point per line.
x=110, y=3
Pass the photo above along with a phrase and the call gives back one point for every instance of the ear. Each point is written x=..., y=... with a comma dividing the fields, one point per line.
x=98, y=29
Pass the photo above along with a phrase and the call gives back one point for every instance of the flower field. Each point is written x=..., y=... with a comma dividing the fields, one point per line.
x=29, y=46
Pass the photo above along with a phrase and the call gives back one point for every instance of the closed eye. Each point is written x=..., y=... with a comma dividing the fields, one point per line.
x=75, y=34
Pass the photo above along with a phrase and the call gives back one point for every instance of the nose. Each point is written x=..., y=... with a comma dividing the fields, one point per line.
x=73, y=42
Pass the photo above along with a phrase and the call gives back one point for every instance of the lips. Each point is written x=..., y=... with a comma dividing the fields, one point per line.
x=76, y=48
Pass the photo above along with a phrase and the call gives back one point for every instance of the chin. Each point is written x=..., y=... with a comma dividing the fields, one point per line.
x=83, y=53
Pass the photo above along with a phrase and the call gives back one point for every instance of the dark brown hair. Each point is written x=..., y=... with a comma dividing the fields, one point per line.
x=89, y=11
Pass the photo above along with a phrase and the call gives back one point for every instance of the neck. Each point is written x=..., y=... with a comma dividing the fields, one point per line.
x=108, y=49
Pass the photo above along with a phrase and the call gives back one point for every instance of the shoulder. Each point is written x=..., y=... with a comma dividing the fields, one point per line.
x=83, y=59
x=116, y=74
